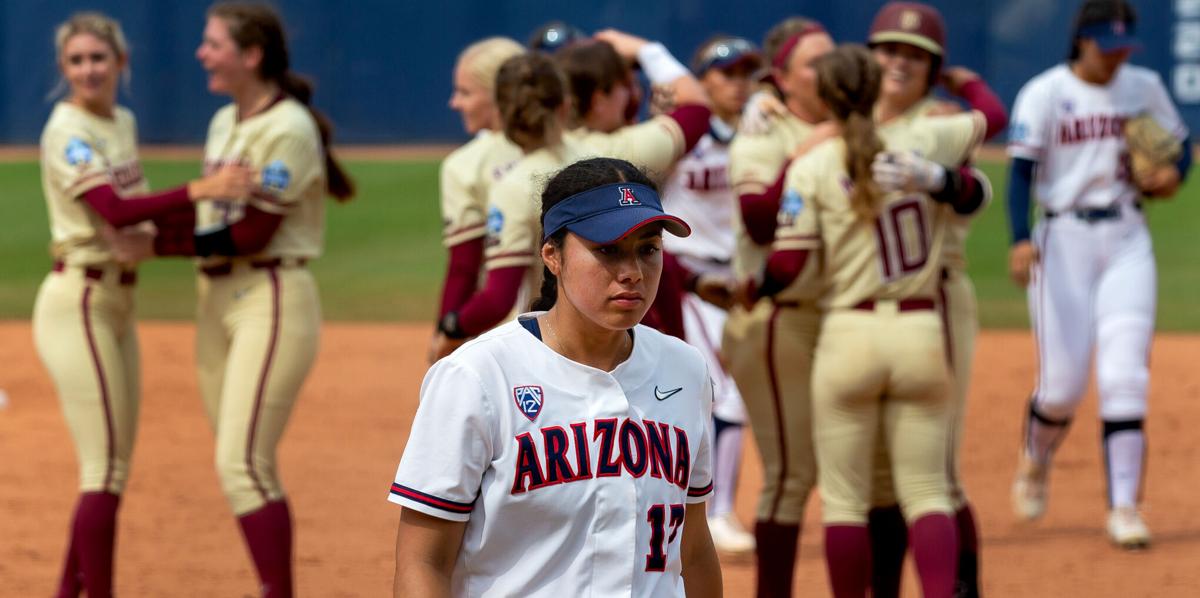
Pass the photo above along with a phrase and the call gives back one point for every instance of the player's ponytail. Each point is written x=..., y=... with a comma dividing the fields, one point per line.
x=259, y=25
x=530, y=90
x=848, y=82
x=572, y=180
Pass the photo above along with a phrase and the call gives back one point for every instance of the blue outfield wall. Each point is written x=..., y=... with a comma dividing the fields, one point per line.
x=383, y=68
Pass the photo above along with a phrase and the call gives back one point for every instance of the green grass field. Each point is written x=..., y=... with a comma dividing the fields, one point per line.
x=384, y=259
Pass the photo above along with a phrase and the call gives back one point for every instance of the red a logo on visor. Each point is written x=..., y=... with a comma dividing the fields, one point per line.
x=627, y=198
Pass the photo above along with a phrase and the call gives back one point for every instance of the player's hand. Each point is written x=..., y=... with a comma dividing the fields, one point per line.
x=746, y=294
x=954, y=77
x=759, y=111
x=1021, y=259
x=1162, y=181
x=819, y=134
x=444, y=345
x=717, y=290
x=129, y=245
x=943, y=108
x=625, y=44
x=231, y=181
x=662, y=99
x=908, y=172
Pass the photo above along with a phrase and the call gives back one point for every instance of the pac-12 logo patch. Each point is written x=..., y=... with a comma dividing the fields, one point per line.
x=529, y=400
x=275, y=177
x=627, y=197
x=78, y=152
x=495, y=221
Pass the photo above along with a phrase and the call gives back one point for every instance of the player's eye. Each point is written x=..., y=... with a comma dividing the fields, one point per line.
x=649, y=249
x=98, y=57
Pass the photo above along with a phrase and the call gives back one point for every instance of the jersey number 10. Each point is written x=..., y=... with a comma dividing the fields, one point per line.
x=656, y=560
x=902, y=238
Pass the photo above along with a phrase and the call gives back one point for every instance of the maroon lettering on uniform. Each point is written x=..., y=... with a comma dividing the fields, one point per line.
x=633, y=448
x=606, y=431
x=622, y=446
x=707, y=179
x=1091, y=127
x=126, y=175
x=529, y=466
x=683, y=459
x=658, y=444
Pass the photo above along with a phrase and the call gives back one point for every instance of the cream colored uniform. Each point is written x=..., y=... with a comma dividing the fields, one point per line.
x=769, y=349
x=514, y=220
x=960, y=316
x=467, y=175
x=83, y=318
x=881, y=355
x=259, y=317
x=653, y=145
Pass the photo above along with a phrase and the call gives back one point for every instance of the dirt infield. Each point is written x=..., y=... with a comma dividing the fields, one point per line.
x=177, y=537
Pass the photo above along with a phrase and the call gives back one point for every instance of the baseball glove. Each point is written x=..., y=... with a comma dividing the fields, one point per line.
x=1150, y=146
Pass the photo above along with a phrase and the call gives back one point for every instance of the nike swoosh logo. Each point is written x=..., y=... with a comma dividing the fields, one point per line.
x=662, y=396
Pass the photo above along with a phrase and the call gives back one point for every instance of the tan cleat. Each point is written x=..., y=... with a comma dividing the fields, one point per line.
x=1029, y=489
x=1127, y=529
x=729, y=536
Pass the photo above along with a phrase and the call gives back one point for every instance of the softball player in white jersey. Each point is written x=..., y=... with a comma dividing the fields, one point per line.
x=1089, y=266
x=576, y=462
x=699, y=191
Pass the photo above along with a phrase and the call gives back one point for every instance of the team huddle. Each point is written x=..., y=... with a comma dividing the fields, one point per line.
x=780, y=245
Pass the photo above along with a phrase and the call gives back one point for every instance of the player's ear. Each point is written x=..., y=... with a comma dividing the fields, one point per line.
x=552, y=257
x=252, y=57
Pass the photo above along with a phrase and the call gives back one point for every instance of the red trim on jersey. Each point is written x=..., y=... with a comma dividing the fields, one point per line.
x=694, y=492
x=981, y=97
x=464, y=229
x=276, y=291
x=124, y=211
x=777, y=402
x=495, y=300
x=760, y=211
x=430, y=500
x=104, y=398
x=500, y=256
x=694, y=120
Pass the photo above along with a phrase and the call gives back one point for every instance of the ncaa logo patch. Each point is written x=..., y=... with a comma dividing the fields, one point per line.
x=627, y=197
x=78, y=152
x=529, y=400
x=792, y=203
x=275, y=177
x=495, y=221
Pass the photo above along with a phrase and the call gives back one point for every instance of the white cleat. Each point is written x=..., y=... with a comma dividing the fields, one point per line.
x=1127, y=529
x=1029, y=489
x=729, y=536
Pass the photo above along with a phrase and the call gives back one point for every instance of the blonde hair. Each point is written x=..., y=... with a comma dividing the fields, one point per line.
x=97, y=24
x=483, y=58
x=848, y=80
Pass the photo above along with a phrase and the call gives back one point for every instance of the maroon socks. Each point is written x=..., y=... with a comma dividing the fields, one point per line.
x=89, y=560
x=775, y=557
x=935, y=550
x=268, y=533
x=889, y=540
x=848, y=558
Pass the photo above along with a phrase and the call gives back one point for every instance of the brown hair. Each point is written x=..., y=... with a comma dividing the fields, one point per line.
x=258, y=25
x=780, y=34
x=590, y=67
x=100, y=25
x=848, y=82
x=529, y=90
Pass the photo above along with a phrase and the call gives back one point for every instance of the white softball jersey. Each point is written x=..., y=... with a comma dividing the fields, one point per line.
x=699, y=192
x=1074, y=131
x=572, y=480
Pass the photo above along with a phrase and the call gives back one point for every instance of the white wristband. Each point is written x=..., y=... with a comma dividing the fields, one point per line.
x=660, y=67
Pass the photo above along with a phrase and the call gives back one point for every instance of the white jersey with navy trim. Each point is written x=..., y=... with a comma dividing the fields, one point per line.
x=572, y=481
x=1074, y=130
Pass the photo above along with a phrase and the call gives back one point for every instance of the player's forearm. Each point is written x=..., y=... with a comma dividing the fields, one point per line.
x=963, y=190
x=981, y=97
x=488, y=307
x=664, y=69
x=420, y=580
x=699, y=565
x=125, y=211
x=760, y=211
x=462, y=275
x=248, y=236
x=782, y=269
x=1020, y=183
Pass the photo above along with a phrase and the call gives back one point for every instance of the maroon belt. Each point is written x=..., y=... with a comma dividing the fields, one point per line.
x=916, y=304
x=126, y=279
x=226, y=268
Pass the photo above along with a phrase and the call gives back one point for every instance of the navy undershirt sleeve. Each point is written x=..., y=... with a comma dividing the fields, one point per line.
x=1184, y=164
x=1020, y=182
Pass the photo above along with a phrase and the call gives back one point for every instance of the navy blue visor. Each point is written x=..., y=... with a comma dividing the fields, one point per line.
x=609, y=213
x=1112, y=36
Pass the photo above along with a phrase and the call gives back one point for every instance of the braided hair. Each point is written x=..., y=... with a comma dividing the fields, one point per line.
x=848, y=82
